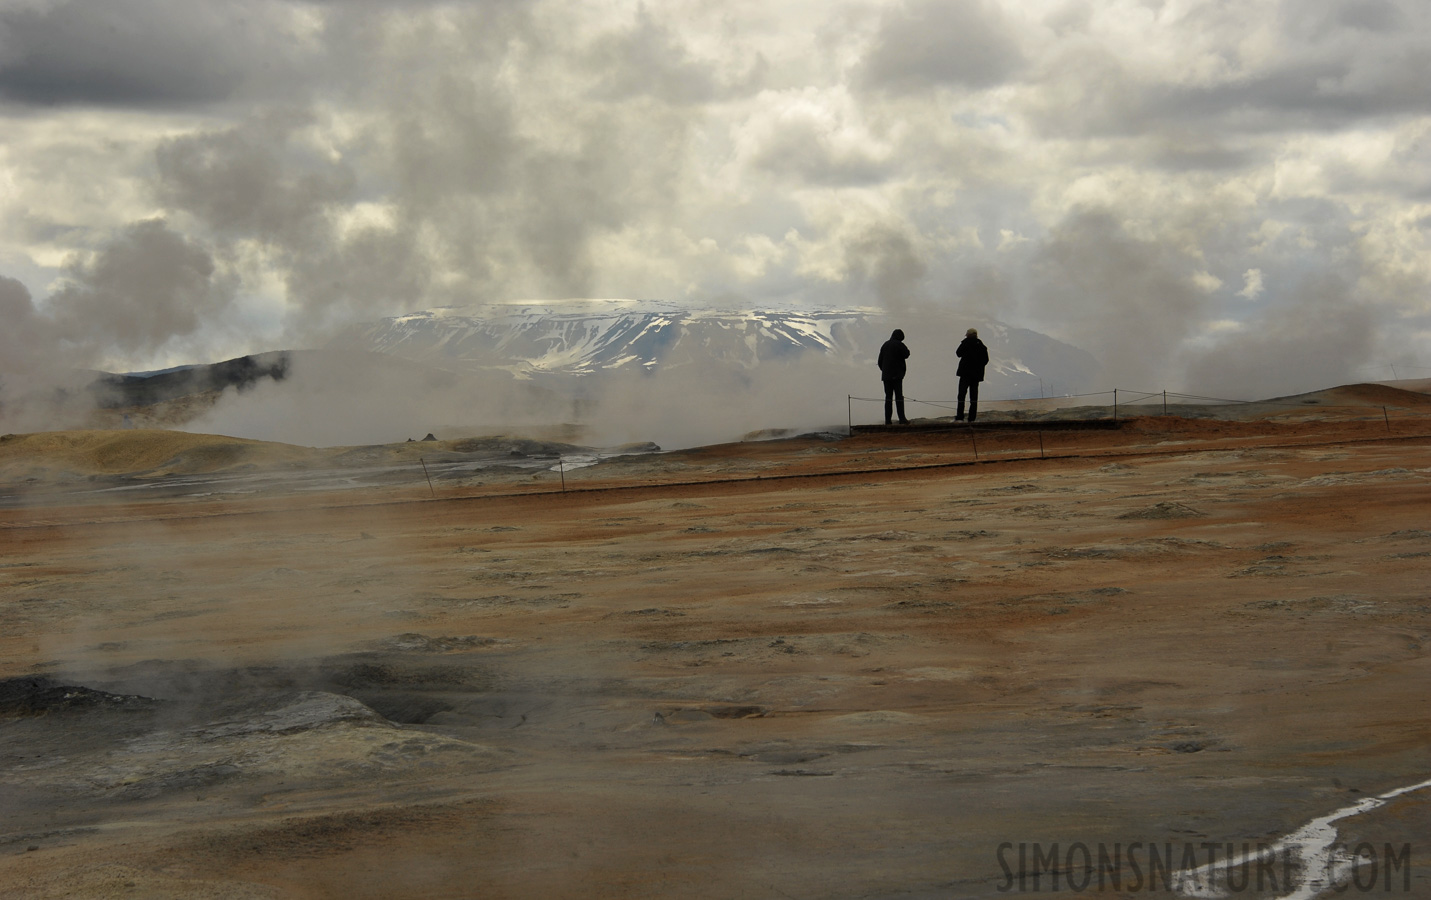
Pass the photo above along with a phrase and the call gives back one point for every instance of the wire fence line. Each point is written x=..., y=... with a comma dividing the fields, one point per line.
x=909, y=399
x=1124, y=397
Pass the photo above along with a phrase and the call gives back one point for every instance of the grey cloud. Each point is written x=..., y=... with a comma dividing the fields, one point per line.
x=253, y=182
x=648, y=60
x=465, y=181
x=512, y=215
x=144, y=289
x=984, y=290
x=559, y=217
x=1320, y=19
x=15, y=303
x=927, y=43
x=371, y=271
x=140, y=53
x=1192, y=150
x=1313, y=94
x=493, y=196
x=500, y=197
x=1129, y=301
x=1337, y=64
x=149, y=285
x=1088, y=90
x=22, y=340
x=1320, y=340
x=804, y=150
x=389, y=52
x=885, y=260
x=457, y=137
x=38, y=391
x=241, y=180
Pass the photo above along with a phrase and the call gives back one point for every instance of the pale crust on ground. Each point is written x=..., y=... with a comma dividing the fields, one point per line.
x=698, y=675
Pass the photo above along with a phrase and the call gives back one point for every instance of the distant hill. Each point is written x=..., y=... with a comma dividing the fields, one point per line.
x=553, y=342
x=111, y=391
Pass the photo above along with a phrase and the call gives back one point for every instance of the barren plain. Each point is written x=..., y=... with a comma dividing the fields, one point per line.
x=814, y=667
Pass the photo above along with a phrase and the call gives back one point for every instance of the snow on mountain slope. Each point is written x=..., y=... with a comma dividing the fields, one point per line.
x=590, y=337
x=584, y=337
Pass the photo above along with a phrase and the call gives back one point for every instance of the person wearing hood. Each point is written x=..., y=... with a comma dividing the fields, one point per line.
x=891, y=370
x=973, y=357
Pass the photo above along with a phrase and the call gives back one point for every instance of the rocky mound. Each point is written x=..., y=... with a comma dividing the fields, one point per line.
x=38, y=695
x=1358, y=395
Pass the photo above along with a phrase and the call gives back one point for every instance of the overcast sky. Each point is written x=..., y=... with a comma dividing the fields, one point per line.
x=1209, y=195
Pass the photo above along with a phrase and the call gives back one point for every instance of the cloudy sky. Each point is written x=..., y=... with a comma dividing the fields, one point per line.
x=1227, y=196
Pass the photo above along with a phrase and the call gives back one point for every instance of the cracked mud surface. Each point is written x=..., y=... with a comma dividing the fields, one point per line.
x=848, y=686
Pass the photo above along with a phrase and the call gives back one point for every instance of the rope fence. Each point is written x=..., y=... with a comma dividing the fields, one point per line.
x=1122, y=398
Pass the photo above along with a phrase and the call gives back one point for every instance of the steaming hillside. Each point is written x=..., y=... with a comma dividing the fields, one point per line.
x=633, y=370
x=584, y=338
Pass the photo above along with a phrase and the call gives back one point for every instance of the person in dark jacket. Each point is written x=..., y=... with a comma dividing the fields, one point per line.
x=973, y=357
x=891, y=370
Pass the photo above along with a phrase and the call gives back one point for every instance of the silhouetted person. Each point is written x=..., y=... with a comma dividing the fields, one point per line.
x=891, y=370
x=973, y=357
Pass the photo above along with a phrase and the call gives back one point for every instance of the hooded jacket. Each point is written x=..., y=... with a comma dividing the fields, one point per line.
x=973, y=357
x=892, y=356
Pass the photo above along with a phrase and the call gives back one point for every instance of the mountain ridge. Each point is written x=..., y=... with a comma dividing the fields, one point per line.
x=584, y=338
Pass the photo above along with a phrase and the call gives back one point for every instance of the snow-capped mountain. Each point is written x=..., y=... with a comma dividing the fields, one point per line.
x=585, y=337
x=546, y=341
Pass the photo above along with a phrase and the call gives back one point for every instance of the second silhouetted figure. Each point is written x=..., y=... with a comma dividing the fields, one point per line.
x=973, y=357
x=891, y=370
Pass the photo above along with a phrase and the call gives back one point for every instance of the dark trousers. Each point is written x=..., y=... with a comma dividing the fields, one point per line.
x=894, y=400
x=970, y=387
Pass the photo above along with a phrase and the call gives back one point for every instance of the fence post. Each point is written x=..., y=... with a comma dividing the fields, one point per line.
x=850, y=412
x=973, y=442
x=1387, y=418
x=429, y=477
x=1115, y=404
x=1040, y=445
x=1165, y=403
